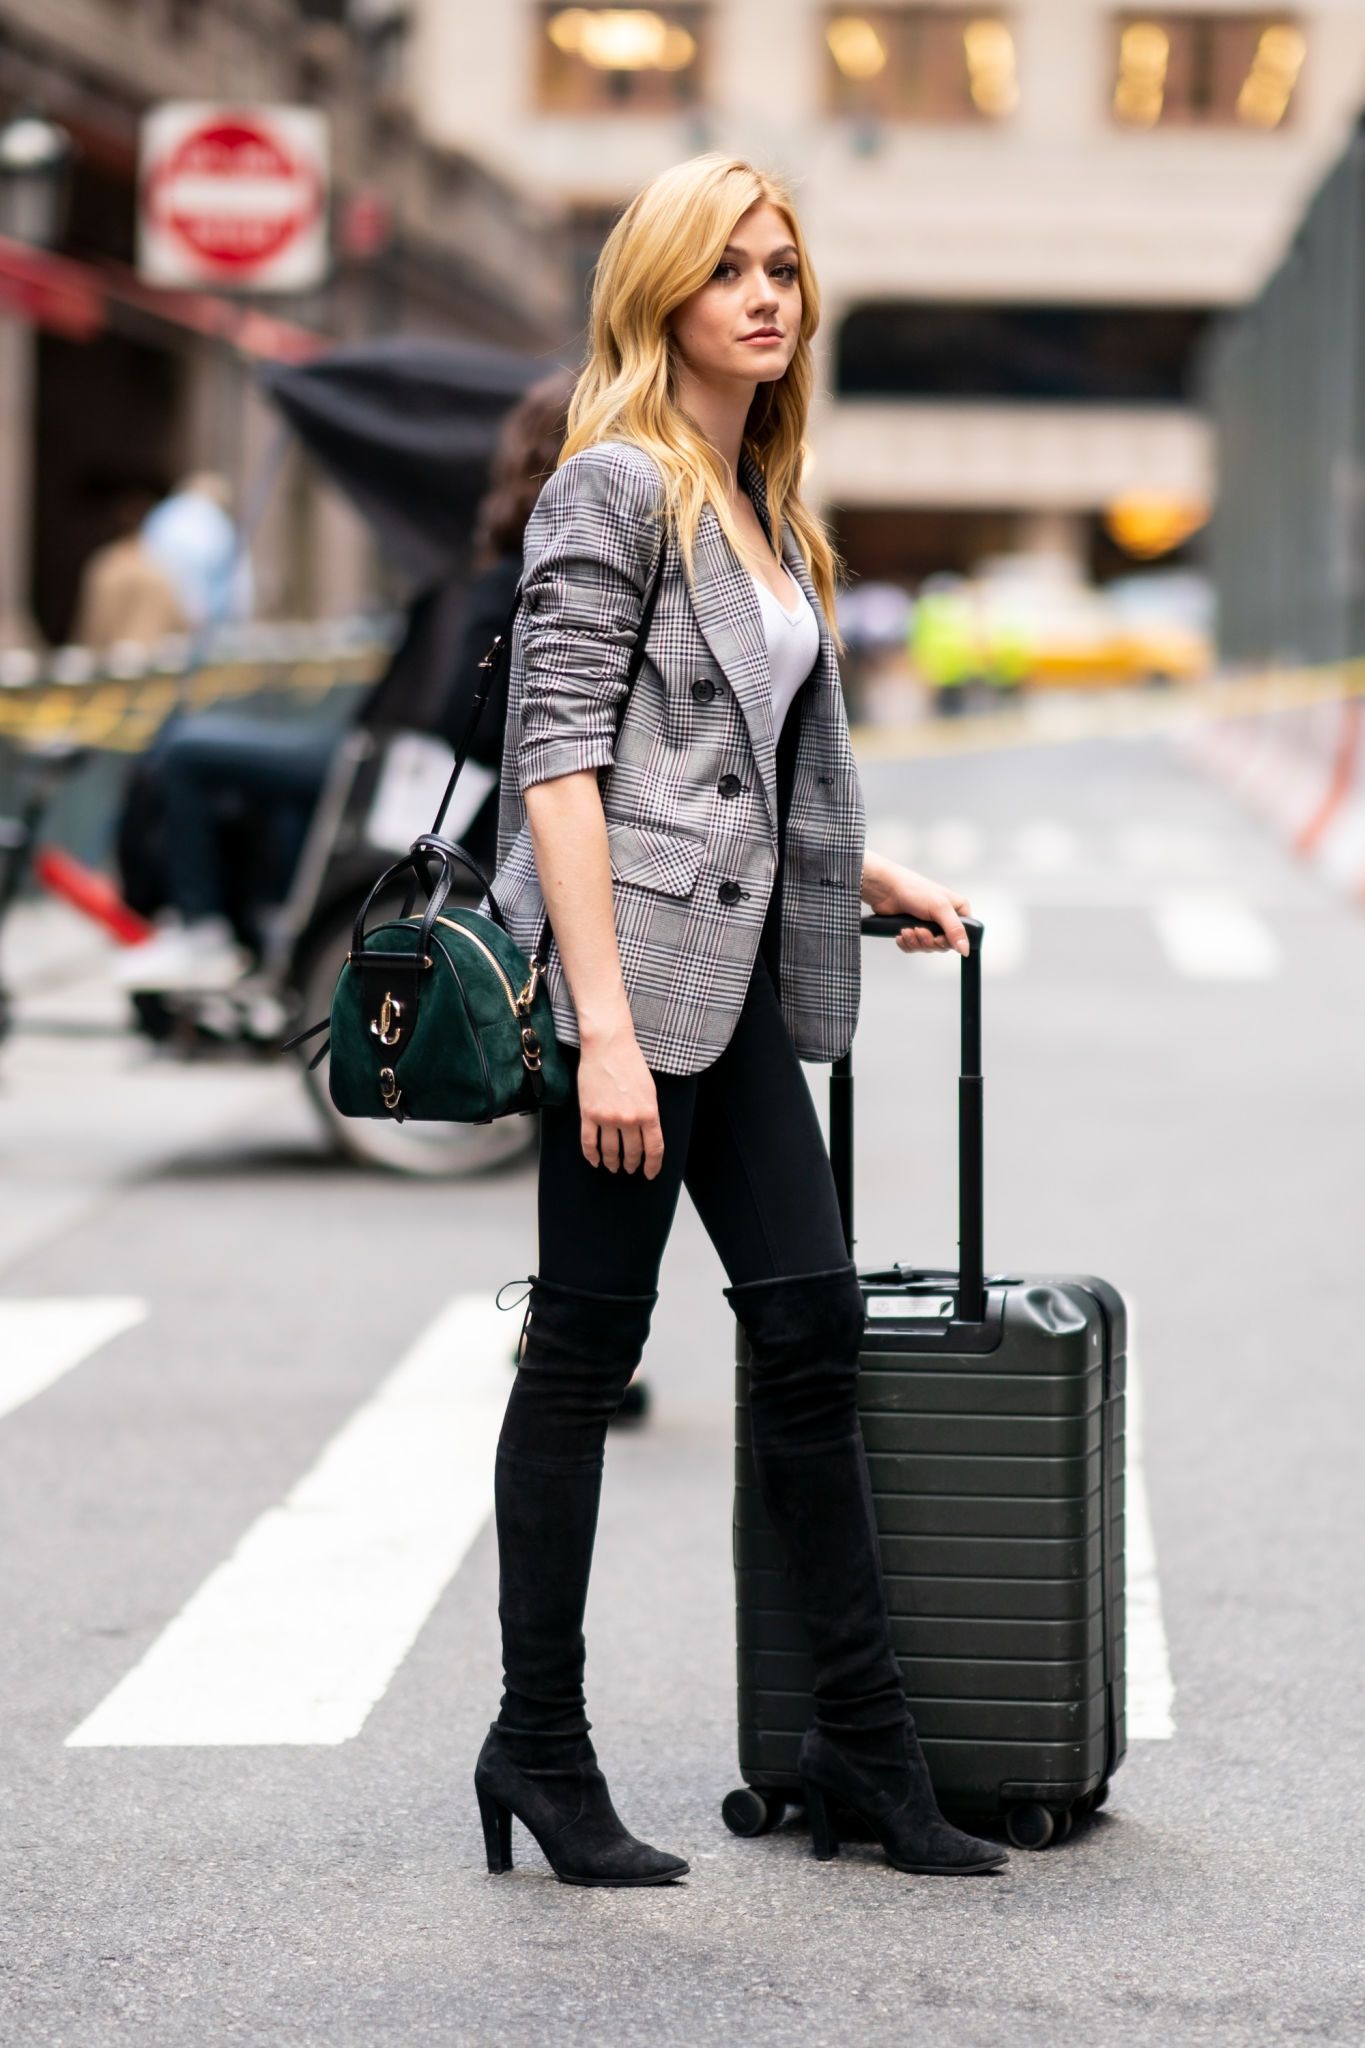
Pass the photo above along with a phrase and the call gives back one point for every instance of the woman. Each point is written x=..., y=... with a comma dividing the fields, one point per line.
x=704, y=899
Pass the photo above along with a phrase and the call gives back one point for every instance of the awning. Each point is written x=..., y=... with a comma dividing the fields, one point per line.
x=80, y=300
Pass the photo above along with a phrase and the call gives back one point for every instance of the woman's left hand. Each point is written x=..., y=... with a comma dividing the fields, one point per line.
x=889, y=888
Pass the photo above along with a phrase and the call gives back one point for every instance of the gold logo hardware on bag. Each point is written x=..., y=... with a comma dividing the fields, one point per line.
x=385, y=1026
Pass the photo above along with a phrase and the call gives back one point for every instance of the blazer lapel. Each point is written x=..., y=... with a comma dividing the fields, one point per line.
x=727, y=610
x=731, y=620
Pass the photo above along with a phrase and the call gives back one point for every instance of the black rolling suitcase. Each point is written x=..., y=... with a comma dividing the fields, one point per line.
x=992, y=1408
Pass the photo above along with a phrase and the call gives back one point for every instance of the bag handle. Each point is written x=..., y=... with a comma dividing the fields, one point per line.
x=414, y=862
x=446, y=852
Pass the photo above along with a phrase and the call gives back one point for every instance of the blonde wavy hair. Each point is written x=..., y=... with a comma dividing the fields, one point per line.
x=663, y=248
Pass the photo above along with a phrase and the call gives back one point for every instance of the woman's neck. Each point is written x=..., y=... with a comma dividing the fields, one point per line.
x=720, y=412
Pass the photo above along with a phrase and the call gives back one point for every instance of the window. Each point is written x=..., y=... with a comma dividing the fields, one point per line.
x=1214, y=70
x=642, y=60
x=1076, y=355
x=921, y=64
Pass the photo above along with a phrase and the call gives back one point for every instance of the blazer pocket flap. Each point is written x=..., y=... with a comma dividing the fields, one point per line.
x=654, y=859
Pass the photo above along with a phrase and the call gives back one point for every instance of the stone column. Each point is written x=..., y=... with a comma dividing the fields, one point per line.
x=17, y=367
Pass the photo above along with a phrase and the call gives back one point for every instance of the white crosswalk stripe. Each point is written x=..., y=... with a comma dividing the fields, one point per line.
x=1150, y=1694
x=1206, y=932
x=1163, y=848
x=960, y=846
x=1044, y=847
x=294, y=1637
x=42, y=1340
x=1211, y=935
x=952, y=846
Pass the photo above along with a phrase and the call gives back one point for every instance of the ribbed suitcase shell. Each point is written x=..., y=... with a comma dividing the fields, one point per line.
x=998, y=1483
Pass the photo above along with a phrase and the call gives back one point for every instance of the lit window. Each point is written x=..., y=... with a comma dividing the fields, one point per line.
x=921, y=64
x=642, y=59
x=1220, y=70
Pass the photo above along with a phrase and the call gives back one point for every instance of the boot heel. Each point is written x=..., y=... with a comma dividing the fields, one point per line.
x=497, y=1831
x=824, y=1836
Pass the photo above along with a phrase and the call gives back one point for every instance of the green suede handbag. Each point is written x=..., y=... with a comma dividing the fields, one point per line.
x=438, y=1015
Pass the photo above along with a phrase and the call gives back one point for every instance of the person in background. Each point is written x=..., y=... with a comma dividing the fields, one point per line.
x=125, y=595
x=192, y=539
x=942, y=642
x=201, y=759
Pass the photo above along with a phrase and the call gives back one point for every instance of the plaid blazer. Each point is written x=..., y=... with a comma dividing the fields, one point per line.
x=691, y=800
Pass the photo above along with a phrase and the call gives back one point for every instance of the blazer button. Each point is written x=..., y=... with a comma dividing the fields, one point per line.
x=729, y=785
x=729, y=892
x=703, y=689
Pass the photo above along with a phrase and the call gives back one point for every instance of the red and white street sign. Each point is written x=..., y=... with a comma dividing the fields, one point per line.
x=233, y=195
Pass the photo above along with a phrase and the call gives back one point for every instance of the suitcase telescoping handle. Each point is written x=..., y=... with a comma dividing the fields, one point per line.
x=971, y=1284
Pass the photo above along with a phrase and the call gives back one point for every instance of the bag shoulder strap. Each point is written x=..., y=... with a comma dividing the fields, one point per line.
x=489, y=664
x=500, y=649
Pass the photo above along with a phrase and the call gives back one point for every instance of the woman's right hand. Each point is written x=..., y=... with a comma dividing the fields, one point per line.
x=618, y=1104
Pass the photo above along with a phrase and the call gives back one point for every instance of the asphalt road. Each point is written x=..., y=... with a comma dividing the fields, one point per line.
x=248, y=1610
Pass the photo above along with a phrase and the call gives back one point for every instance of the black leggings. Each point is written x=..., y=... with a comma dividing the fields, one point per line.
x=742, y=1136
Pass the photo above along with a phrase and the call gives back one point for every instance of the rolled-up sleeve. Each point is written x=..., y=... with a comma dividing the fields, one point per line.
x=590, y=548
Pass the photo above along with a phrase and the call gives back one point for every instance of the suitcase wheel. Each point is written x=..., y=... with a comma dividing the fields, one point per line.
x=634, y=1402
x=747, y=1812
x=1033, y=1827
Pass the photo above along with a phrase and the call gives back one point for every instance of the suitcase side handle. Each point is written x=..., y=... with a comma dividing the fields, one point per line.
x=971, y=1284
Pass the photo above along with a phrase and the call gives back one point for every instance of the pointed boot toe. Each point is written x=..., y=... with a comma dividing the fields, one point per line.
x=947, y=1851
x=596, y=1847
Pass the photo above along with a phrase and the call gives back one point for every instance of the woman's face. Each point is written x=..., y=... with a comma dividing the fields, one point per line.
x=744, y=322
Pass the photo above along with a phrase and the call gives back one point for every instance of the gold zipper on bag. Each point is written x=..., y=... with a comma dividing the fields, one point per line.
x=520, y=1005
x=487, y=952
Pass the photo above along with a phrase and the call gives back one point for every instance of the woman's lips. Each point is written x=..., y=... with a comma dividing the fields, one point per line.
x=768, y=338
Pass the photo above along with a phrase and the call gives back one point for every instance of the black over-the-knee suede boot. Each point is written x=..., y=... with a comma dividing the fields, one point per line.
x=537, y=1760
x=862, y=1748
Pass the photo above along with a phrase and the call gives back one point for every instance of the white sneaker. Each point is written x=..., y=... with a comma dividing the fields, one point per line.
x=203, y=954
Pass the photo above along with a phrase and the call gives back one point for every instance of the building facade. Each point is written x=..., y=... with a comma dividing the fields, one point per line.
x=111, y=389
x=1023, y=219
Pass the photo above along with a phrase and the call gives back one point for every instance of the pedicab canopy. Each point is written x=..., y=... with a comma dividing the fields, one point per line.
x=405, y=426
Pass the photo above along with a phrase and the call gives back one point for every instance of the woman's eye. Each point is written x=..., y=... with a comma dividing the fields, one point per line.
x=783, y=270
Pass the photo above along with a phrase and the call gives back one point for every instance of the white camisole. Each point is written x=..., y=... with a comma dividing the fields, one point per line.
x=793, y=643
